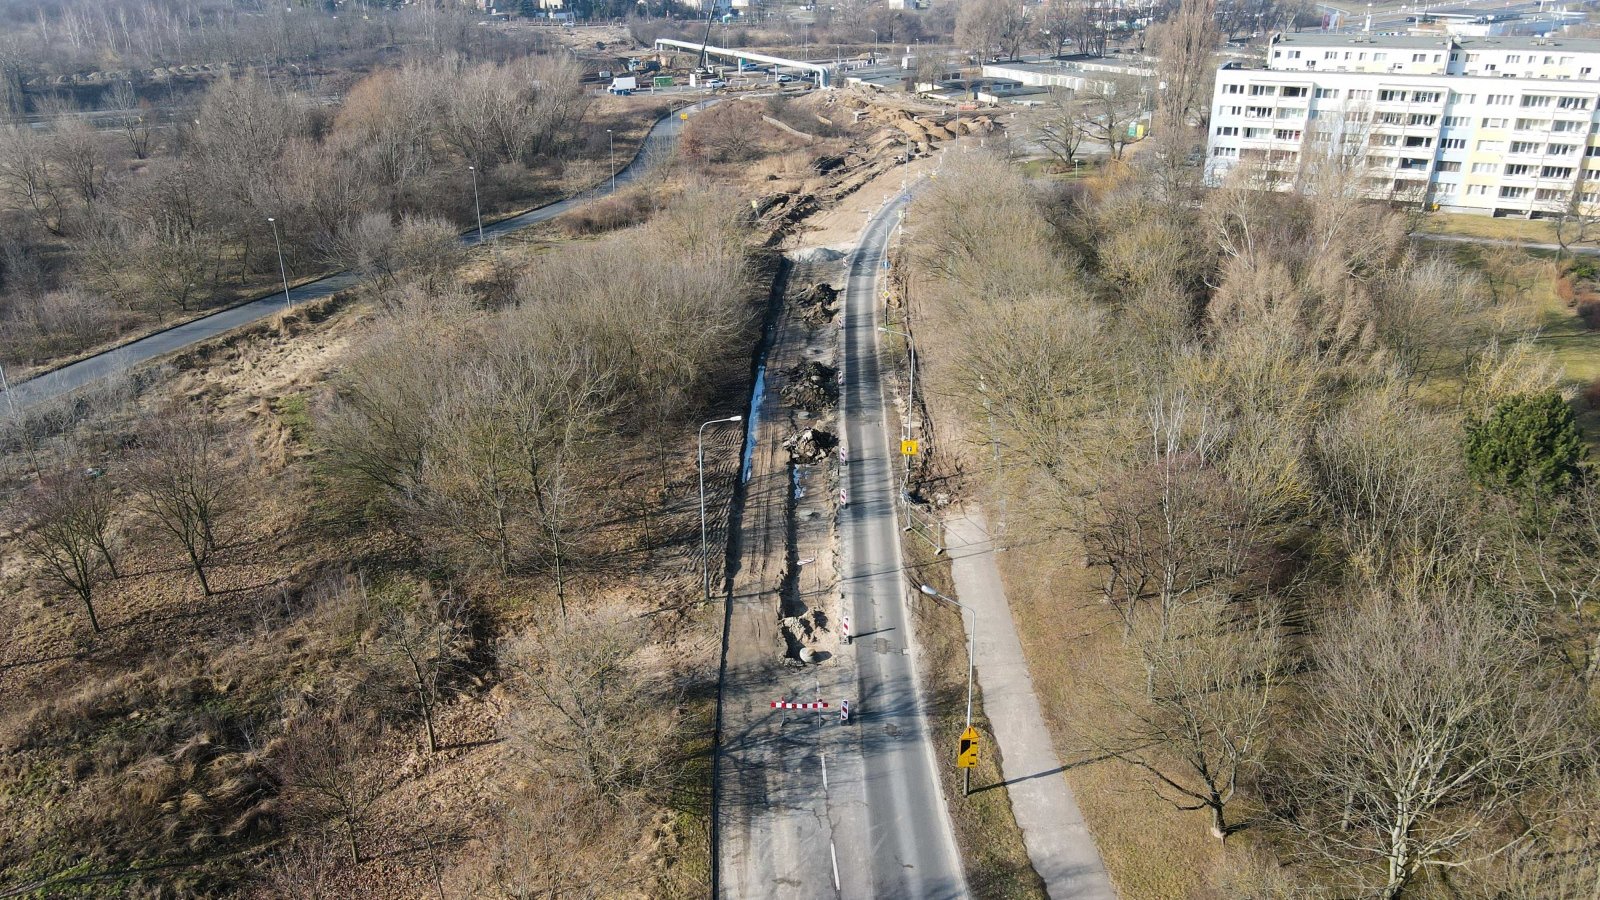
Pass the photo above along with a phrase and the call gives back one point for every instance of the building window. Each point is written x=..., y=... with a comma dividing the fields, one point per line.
x=1535, y=100
x=1492, y=146
x=1561, y=149
x=1569, y=127
x=1379, y=57
x=1548, y=194
x=1294, y=92
x=1524, y=147
x=1419, y=119
x=1256, y=134
x=1472, y=57
x=1493, y=123
x=1330, y=54
x=1327, y=93
x=1386, y=140
x=1513, y=193
x=1286, y=134
x=1294, y=54
x=1390, y=118
x=1258, y=112
x=1453, y=143
x=1234, y=89
x=1573, y=103
x=1483, y=168
x=1556, y=172
x=1416, y=141
x=1292, y=112
x=1263, y=90
x=1532, y=125
x=1456, y=121
x=1361, y=94
x=1225, y=151
x=1514, y=58
x=1424, y=96
x=1391, y=96
x=1499, y=99
x=1477, y=190
x=1518, y=171
x=1227, y=131
x=1449, y=166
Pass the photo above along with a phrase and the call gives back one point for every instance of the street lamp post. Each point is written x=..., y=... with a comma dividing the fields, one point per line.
x=613, y=137
x=874, y=45
x=477, y=207
x=700, y=456
x=972, y=649
x=283, y=271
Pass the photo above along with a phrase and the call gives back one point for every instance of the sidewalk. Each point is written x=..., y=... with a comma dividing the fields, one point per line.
x=1059, y=844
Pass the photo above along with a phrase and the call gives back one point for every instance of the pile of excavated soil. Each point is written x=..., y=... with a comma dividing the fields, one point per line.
x=811, y=385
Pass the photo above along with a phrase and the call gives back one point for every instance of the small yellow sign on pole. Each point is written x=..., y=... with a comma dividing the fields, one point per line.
x=908, y=447
x=967, y=756
x=683, y=116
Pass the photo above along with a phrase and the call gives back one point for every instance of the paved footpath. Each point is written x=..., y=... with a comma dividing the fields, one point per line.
x=1058, y=841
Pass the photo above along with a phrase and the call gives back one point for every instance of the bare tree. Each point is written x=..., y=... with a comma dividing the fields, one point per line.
x=69, y=517
x=1059, y=126
x=132, y=117
x=1113, y=108
x=184, y=483
x=1183, y=45
x=327, y=773
x=601, y=720
x=1428, y=742
x=1206, y=721
x=422, y=641
x=1576, y=219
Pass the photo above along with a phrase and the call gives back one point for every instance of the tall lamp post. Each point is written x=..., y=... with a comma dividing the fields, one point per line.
x=477, y=207
x=700, y=456
x=283, y=271
x=613, y=137
x=972, y=649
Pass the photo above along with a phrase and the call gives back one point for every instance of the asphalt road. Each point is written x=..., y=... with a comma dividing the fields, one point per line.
x=58, y=382
x=912, y=848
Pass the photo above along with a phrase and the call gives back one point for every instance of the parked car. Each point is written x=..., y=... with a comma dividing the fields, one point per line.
x=716, y=84
x=785, y=79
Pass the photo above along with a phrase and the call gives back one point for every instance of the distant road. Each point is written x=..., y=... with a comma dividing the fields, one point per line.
x=58, y=382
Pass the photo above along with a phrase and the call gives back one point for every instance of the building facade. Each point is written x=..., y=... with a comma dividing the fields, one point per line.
x=1495, y=125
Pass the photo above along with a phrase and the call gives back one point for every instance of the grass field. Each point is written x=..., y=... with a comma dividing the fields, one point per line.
x=1528, y=230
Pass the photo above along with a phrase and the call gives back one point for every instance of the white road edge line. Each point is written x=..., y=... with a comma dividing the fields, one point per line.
x=824, y=758
x=835, y=855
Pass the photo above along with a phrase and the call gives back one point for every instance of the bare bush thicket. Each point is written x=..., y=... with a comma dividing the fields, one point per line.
x=1229, y=404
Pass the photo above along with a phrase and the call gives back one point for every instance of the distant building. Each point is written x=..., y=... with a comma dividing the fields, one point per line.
x=1499, y=125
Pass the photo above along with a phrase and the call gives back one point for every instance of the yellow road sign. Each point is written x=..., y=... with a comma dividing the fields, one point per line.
x=967, y=756
x=908, y=448
x=683, y=116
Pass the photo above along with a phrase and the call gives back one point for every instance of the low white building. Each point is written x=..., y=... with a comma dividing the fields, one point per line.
x=1501, y=125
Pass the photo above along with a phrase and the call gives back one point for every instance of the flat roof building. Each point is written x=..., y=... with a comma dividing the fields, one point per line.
x=1494, y=125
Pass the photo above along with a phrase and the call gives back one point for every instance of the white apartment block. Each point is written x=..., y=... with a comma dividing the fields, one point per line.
x=1492, y=125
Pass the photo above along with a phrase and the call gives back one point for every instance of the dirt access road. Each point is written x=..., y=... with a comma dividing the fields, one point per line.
x=810, y=808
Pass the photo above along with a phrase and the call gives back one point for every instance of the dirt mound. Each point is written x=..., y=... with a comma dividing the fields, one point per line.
x=811, y=446
x=816, y=255
x=817, y=303
x=811, y=385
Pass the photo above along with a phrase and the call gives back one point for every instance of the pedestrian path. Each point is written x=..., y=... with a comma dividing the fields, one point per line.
x=1059, y=843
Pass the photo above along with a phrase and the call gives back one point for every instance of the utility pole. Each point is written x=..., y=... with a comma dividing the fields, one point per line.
x=477, y=207
x=700, y=455
x=613, y=138
x=972, y=649
x=282, y=270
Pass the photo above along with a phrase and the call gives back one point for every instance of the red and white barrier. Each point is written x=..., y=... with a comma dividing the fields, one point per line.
x=784, y=704
x=844, y=629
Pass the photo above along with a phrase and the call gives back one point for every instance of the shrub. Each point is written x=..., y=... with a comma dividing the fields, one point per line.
x=1529, y=444
x=1589, y=312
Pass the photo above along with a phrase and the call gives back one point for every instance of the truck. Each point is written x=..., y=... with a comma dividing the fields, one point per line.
x=623, y=85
